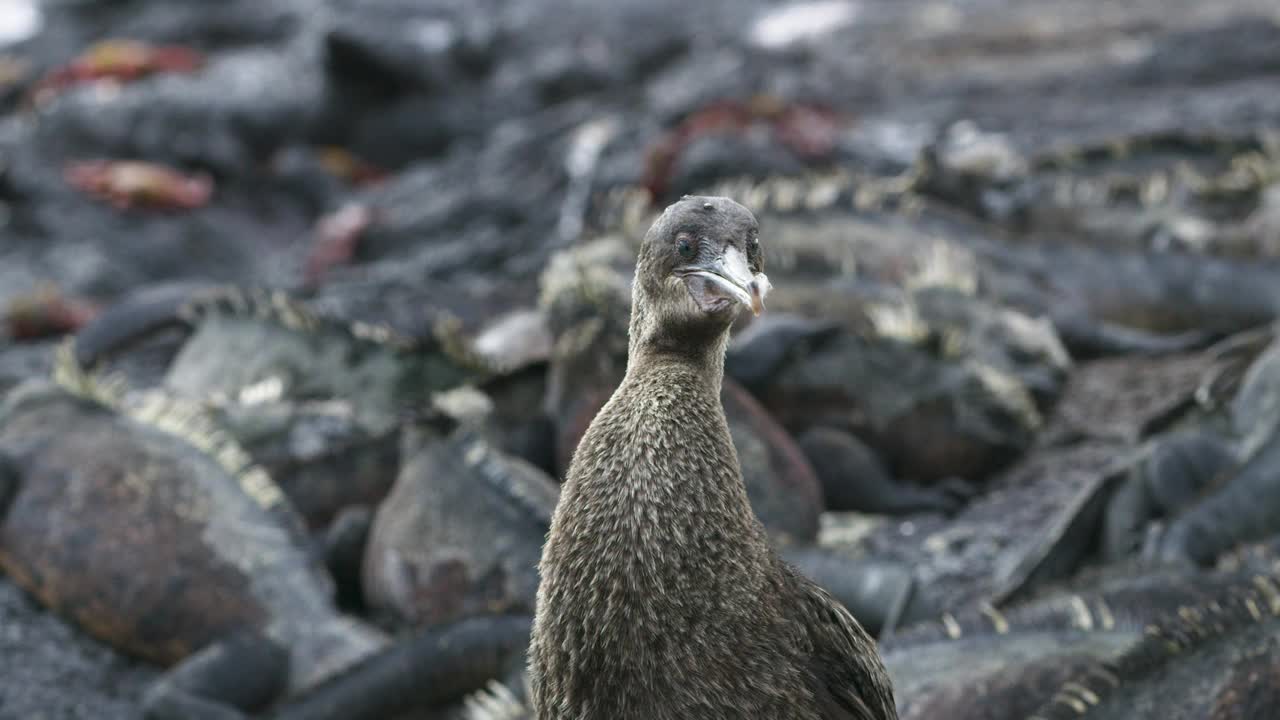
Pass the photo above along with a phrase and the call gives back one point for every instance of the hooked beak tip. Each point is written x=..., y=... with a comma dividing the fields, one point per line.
x=729, y=278
x=758, y=288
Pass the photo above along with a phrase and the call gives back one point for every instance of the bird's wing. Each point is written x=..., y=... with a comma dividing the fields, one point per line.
x=849, y=676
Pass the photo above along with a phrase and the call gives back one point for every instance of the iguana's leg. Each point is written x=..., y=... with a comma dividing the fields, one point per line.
x=881, y=595
x=343, y=546
x=757, y=352
x=135, y=318
x=1125, y=520
x=1177, y=472
x=429, y=668
x=1245, y=508
x=224, y=681
x=10, y=479
x=1087, y=338
x=854, y=478
x=947, y=496
x=1184, y=465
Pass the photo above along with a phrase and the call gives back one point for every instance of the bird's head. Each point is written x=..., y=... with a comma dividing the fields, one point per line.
x=700, y=264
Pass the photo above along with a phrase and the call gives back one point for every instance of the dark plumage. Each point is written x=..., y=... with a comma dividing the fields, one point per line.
x=660, y=595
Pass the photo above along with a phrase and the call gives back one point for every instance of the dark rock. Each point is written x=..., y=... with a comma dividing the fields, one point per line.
x=26, y=360
x=57, y=669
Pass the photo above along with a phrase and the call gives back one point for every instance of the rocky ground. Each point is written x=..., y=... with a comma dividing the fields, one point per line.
x=400, y=161
x=54, y=671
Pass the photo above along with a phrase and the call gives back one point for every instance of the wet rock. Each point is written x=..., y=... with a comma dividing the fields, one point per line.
x=400, y=53
x=1246, y=45
x=515, y=340
x=239, y=106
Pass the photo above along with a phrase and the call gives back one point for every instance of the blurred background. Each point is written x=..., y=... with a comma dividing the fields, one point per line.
x=304, y=305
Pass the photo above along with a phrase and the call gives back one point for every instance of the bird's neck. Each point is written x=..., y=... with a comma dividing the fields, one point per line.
x=703, y=356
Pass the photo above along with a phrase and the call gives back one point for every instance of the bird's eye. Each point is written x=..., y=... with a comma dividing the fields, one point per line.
x=686, y=247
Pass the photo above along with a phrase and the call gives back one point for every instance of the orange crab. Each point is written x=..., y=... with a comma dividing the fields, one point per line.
x=127, y=184
x=122, y=60
x=47, y=313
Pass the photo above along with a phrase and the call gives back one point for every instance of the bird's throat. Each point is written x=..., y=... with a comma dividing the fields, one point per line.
x=697, y=357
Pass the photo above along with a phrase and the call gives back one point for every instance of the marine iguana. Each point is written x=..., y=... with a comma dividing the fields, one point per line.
x=1214, y=659
x=1102, y=301
x=660, y=595
x=853, y=478
x=161, y=538
x=985, y=663
x=316, y=400
x=1199, y=433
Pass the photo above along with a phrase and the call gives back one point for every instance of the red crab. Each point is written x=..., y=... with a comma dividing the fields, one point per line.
x=337, y=235
x=129, y=183
x=809, y=130
x=122, y=60
x=47, y=313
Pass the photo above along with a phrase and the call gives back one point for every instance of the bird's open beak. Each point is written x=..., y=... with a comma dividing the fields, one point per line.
x=728, y=276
